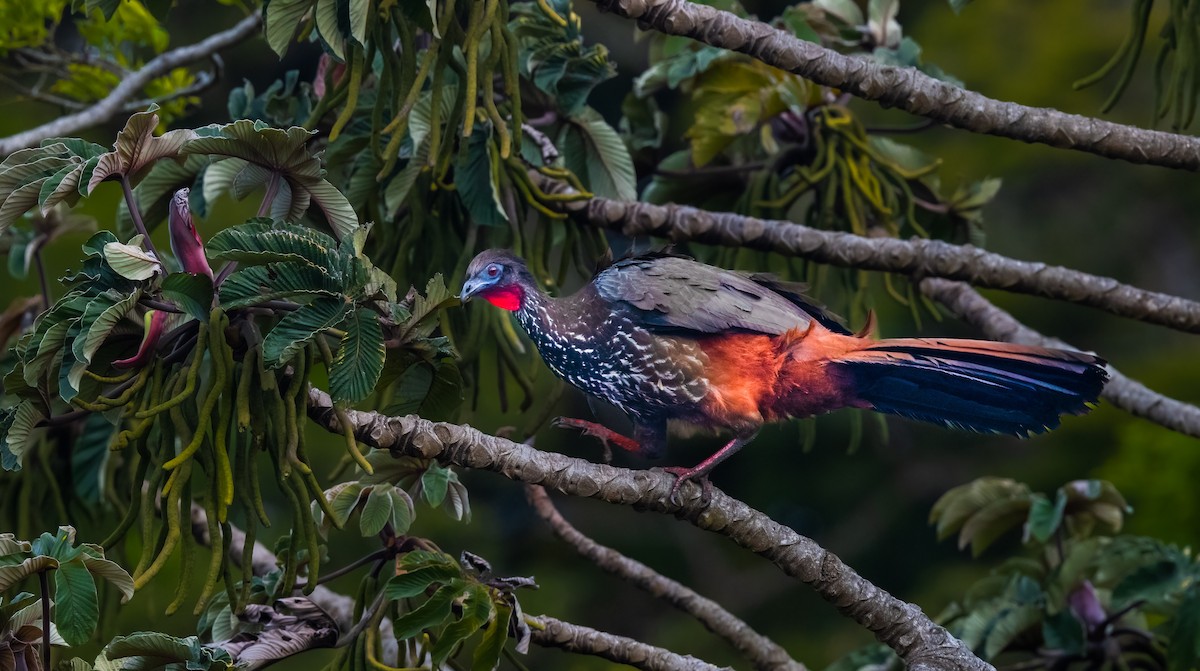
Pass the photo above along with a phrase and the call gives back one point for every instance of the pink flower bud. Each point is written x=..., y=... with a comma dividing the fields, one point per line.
x=185, y=241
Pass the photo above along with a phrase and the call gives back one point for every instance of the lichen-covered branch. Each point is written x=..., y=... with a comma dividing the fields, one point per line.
x=132, y=85
x=762, y=652
x=918, y=640
x=551, y=633
x=909, y=89
x=1129, y=395
x=916, y=257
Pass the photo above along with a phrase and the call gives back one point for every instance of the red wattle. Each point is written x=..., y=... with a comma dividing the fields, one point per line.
x=507, y=298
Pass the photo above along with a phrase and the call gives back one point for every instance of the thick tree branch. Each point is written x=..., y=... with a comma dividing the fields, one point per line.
x=762, y=652
x=902, y=626
x=909, y=89
x=1129, y=395
x=132, y=86
x=551, y=633
x=916, y=257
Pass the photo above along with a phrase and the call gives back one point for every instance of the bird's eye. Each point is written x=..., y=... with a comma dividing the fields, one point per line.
x=493, y=270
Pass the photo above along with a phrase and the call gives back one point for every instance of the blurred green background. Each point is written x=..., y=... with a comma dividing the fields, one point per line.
x=1134, y=223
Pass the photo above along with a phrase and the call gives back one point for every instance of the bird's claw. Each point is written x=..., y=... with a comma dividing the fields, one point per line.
x=606, y=436
x=683, y=475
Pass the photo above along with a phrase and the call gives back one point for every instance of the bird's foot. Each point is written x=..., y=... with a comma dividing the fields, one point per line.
x=605, y=435
x=682, y=475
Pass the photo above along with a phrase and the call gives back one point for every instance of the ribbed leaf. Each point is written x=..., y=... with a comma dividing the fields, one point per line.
x=403, y=511
x=285, y=151
x=131, y=261
x=431, y=613
x=11, y=575
x=476, y=610
x=137, y=148
x=76, y=605
x=360, y=14
x=112, y=572
x=343, y=498
x=341, y=216
x=19, y=202
x=377, y=511
x=88, y=458
x=63, y=186
x=155, y=191
x=434, y=482
x=477, y=179
x=960, y=503
x=359, y=358
x=281, y=20
x=596, y=153
x=327, y=25
x=192, y=292
x=262, y=242
x=98, y=320
x=414, y=583
x=21, y=431
x=253, y=285
x=297, y=328
x=487, y=653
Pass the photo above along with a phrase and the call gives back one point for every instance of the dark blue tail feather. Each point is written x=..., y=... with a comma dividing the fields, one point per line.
x=975, y=385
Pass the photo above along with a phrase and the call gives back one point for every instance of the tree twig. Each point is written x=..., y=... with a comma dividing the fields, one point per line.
x=551, y=632
x=917, y=257
x=762, y=652
x=1125, y=393
x=908, y=88
x=129, y=87
x=902, y=626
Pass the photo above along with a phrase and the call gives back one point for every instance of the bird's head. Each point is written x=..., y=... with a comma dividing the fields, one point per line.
x=499, y=277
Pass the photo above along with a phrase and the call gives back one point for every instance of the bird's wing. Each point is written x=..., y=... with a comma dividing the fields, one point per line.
x=675, y=293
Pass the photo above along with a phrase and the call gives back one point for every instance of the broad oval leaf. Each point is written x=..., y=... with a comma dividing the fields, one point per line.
x=376, y=512
x=192, y=292
x=359, y=359
x=477, y=179
x=256, y=284
x=430, y=614
x=281, y=20
x=298, y=328
x=598, y=156
x=112, y=572
x=260, y=241
x=137, y=148
x=76, y=605
x=131, y=261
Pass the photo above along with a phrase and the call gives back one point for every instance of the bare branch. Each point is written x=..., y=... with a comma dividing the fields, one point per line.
x=916, y=257
x=552, y=633
x=909, y=89
x=1129, y=395
x=129, y=87
x=761, y=651
x=902, y=626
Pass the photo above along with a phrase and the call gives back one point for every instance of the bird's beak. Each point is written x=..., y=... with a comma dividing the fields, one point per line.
x=470, y=287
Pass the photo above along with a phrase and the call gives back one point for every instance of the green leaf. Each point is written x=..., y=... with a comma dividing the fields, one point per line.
x=112, y=572
x=414, y=583
x=131, y=261
x=360, y=14
x=281, y=20
x=430, y=614
x=402, y=510
x=258, y=242
x=991, y=522
x=595, y=153
x=256, y=284
x=297, y=328
x=63, y=186
x=1183, y=650
x=476, y=609
x=343, y=498
x=13, y=574
x=76, y=606
x=1045, y=517
x=359, y=358
x=398, y=188
x=21, y=432
x=192, y=292
x=338, y=211
x=434, y=482
x=377, y=511
x=411, y=389
x=282, y=150
x=89, y=456
x=327, y=26
x=98, y=321
x=487, y=654
x=457, y=503
x=477, y=179
x=1062, y=631
x=137, y=148
x=953, y=509
x=445, y=394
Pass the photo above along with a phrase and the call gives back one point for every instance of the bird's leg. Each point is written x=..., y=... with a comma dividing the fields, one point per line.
x=701, y=470
x=605, y=435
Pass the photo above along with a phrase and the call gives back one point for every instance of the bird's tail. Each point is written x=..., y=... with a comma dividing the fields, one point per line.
x=976, y=385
